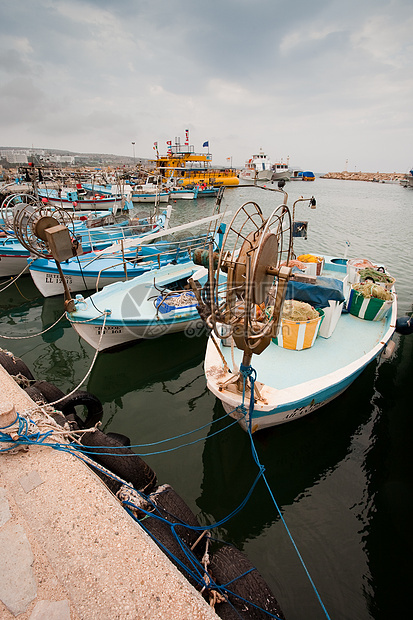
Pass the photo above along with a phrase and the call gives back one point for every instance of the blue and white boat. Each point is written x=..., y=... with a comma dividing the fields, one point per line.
x=151, y=305
x=292, y=383
x=151, y=191
x=120, y=261
x=14, y=256
x=76, y=200
x=288, y=333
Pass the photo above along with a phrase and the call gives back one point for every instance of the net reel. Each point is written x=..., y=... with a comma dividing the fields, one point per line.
x=247, y=281
x=47, y=232
x=11, y=205
x=30, y=225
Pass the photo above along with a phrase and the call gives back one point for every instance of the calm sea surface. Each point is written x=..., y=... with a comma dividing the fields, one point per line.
x=342, y=477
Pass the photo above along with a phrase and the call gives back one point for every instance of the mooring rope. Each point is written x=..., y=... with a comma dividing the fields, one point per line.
x=90, y=367
x=251, y=373
x=13, y=279
x=34, y=335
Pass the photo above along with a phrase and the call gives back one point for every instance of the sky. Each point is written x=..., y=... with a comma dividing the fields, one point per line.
x=326, y=84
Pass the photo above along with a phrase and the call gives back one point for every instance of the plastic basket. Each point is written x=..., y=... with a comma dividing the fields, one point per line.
x=367, y=308
x=298, y=335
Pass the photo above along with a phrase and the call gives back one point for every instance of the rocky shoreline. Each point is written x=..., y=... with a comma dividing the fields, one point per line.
x=377, y=177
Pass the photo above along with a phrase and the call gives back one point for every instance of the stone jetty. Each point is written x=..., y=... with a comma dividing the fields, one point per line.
x=377, y=177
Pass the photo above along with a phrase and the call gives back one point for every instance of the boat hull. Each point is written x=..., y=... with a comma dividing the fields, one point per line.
x=12, y=265
x=294, y=383
x=115, y=336
x=151, y=198
x=86, y=204
x=277, y=175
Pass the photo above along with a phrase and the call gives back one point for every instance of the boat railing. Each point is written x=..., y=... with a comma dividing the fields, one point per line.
x=172, y=254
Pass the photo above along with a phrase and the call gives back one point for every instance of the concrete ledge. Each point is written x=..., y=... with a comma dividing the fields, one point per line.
x=89, y=558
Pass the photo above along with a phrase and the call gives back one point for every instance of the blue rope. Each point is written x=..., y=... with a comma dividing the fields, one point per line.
x=22, y=431
x=76, y=450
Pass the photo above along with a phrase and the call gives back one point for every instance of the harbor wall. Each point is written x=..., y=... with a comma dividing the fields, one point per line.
x=377, y=177
x=69, y=550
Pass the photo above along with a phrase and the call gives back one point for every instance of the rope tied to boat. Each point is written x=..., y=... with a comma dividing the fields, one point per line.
x=34, y=335
x=248, y=372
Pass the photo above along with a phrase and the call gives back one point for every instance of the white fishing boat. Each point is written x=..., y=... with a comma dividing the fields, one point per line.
x=121, y=260
x=151, y=191
x=258, y=168
x=77, y=200
x=280, y=171
x=156, y=303
x=266, y=368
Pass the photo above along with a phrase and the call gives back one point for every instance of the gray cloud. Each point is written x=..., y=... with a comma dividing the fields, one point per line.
x=321, y=83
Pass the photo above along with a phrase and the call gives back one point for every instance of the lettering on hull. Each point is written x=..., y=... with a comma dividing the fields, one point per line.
x=54, y=278
x=300, y=411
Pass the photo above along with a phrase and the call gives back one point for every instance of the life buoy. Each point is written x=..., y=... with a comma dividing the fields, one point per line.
x=250, y=596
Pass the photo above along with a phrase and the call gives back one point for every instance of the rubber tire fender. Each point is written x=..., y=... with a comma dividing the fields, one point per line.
x=120, y=460
x=49, y=391
x=35, y=395
x=226, y=565
x=80, y=397
x=163, y=537
x=171, y=506
x=14, y=365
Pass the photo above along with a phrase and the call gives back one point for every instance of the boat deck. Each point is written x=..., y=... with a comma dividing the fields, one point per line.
x=352, y=338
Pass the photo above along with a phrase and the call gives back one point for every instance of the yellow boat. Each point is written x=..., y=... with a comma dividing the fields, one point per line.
x=182, y=166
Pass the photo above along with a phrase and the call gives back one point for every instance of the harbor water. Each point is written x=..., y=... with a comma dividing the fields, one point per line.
x=340, y=477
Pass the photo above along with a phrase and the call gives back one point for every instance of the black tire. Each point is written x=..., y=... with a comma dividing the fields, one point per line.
x=86, y=399
x=164, y=538
x=49, y=391
x=35, y=395
x=14, y=365
x=171, y=506
x=123, y=439
x=120, y=460
x=228, y=565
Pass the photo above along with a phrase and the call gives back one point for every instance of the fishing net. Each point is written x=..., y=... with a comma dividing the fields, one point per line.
x=298, y=311
x=370, y=289
x=379, y=277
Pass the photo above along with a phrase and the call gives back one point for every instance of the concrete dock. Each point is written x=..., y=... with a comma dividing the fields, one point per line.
x=69, y=551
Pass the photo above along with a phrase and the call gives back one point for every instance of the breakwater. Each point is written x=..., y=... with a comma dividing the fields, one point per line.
x=376, y=177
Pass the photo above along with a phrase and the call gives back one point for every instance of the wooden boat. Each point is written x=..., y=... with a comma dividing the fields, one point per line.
x=14, y=256
x=148, y=306
x=291, y=368
x=120, y=261
x=75, y=200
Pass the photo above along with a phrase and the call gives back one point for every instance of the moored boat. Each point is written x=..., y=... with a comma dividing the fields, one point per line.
x=280, y=171
x=183, y=164
x=268, y=369
x=148, y=306
x=258, y=168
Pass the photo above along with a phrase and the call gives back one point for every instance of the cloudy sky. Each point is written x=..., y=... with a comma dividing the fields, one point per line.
x=321, y=81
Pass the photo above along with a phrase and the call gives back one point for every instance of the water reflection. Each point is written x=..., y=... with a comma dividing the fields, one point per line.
x=296, y=457
x=388, y=465
x=149, y=361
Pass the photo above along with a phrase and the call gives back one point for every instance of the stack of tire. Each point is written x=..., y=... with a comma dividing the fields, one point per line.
x=162, y=512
